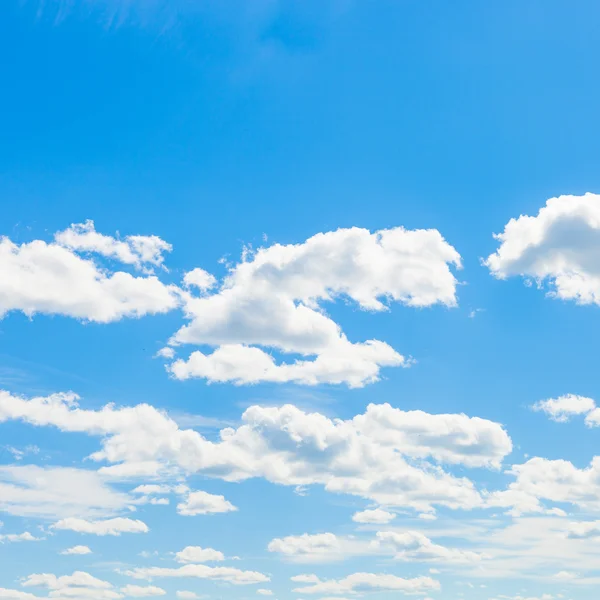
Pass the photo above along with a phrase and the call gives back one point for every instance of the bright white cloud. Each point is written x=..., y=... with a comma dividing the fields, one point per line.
x=377, y=516
x=321, y=546
x=142, y=591
x=137, y=250
x=49, y=278
x=18, y=537
x=7, y=594
x=559, y=245
x=113, y=527
x=563, y=408
x=186, y=595
x=76, y=550
x=197, y=554
x=55, y=492
x=203, y=503
x=371, y=456
x=414, y=546
x=274, y=300
x=366, y=582
x=584, y=530
x=228, y=574
x=77, y=579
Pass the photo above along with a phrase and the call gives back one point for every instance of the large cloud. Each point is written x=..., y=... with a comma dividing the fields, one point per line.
x=228, y=574
x=275, y=299
x=560, y=245
x=53, y=278
x=387, y=455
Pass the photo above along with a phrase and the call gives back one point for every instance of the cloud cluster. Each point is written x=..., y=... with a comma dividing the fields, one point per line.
x=385, y=455
x=563, y=408
x=559, y=245
x=274, y=299
x=114, y=527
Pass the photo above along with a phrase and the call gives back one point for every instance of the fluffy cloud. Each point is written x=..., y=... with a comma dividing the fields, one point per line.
x=76, y=550
x=18, y=537
x=262, y=592
x=365, y=582
x=114, y=527
x=228, y=574
x=274, y=299
x=142, y=591
x=196, y=554
x=377, y=515
x=54, y=492
x=77, y=579
x=386, y=455
x=414, y=546
x=559, y=245
x=7, y=594
x=203, y=503
x=563, y=408
x=584, y=530
x=187, y=595
x=321, y=546
x=52, y=278
x=553, y=480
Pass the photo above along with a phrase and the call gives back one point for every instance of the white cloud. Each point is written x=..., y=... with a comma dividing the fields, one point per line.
x=203, y=503
x=262, y=592
x=228, y=574
x=414, y=546
x=76, y=550
x=196, y=554
x=559, y=245
x=137, y=250
x=187, y=595
x=377, y=515
x=49, y=278
x=18, y=537
x=553, y=480
x=317, y=547
x=7, y=594
x=77, y=579
x=366, y=582
x=371, y=456
x=142, y=591
x=584, y=530
x=114, y=527
x=274, y=300
x=563, y=408
x=54, y=492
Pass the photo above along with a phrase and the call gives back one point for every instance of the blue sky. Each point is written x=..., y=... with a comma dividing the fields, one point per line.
x=299, y=300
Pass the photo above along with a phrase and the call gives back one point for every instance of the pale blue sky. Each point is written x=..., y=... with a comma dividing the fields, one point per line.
x=240, y=337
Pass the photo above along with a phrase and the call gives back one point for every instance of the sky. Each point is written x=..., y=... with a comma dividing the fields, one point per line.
x=299, y=300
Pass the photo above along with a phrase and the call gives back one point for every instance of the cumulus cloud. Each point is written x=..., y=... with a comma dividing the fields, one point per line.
x=53, y=582
x=317, y=547
x=415, y=546
x=584, y=530
x=203, y=503
x=76, y=550
x=54, y=492
x=559, y=246
x=228, y=574
x=197, y=554
x=52, y=278
x=274, y=300
x=113, y=527
x=556, y=481
x=385, y=455
x=187, y=595
x=563, y=408
x=377, y=515
x=7, y=594
x=18, y=537
x=365, y=582
x=142, y=591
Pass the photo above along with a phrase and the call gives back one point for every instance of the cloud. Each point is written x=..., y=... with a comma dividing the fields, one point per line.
x=560, y=245
x=377, y=515
x=196, y=554
x=563, y=408
x=139, y=591
x=77, y=579
x=366, y=582
x=55, y=492
x=49, y=278
x=414, y=546
x=187, y=595
x=385, y=455
x=203, y=503
x=262, y=592
x=137, y=250
x=113, y=527
x=76, y=550
x=228, y=574
x=18, y=537
x=312, y=548
x=584, y=530
x=554, y=480
x=7, y=594
x=274, y=300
